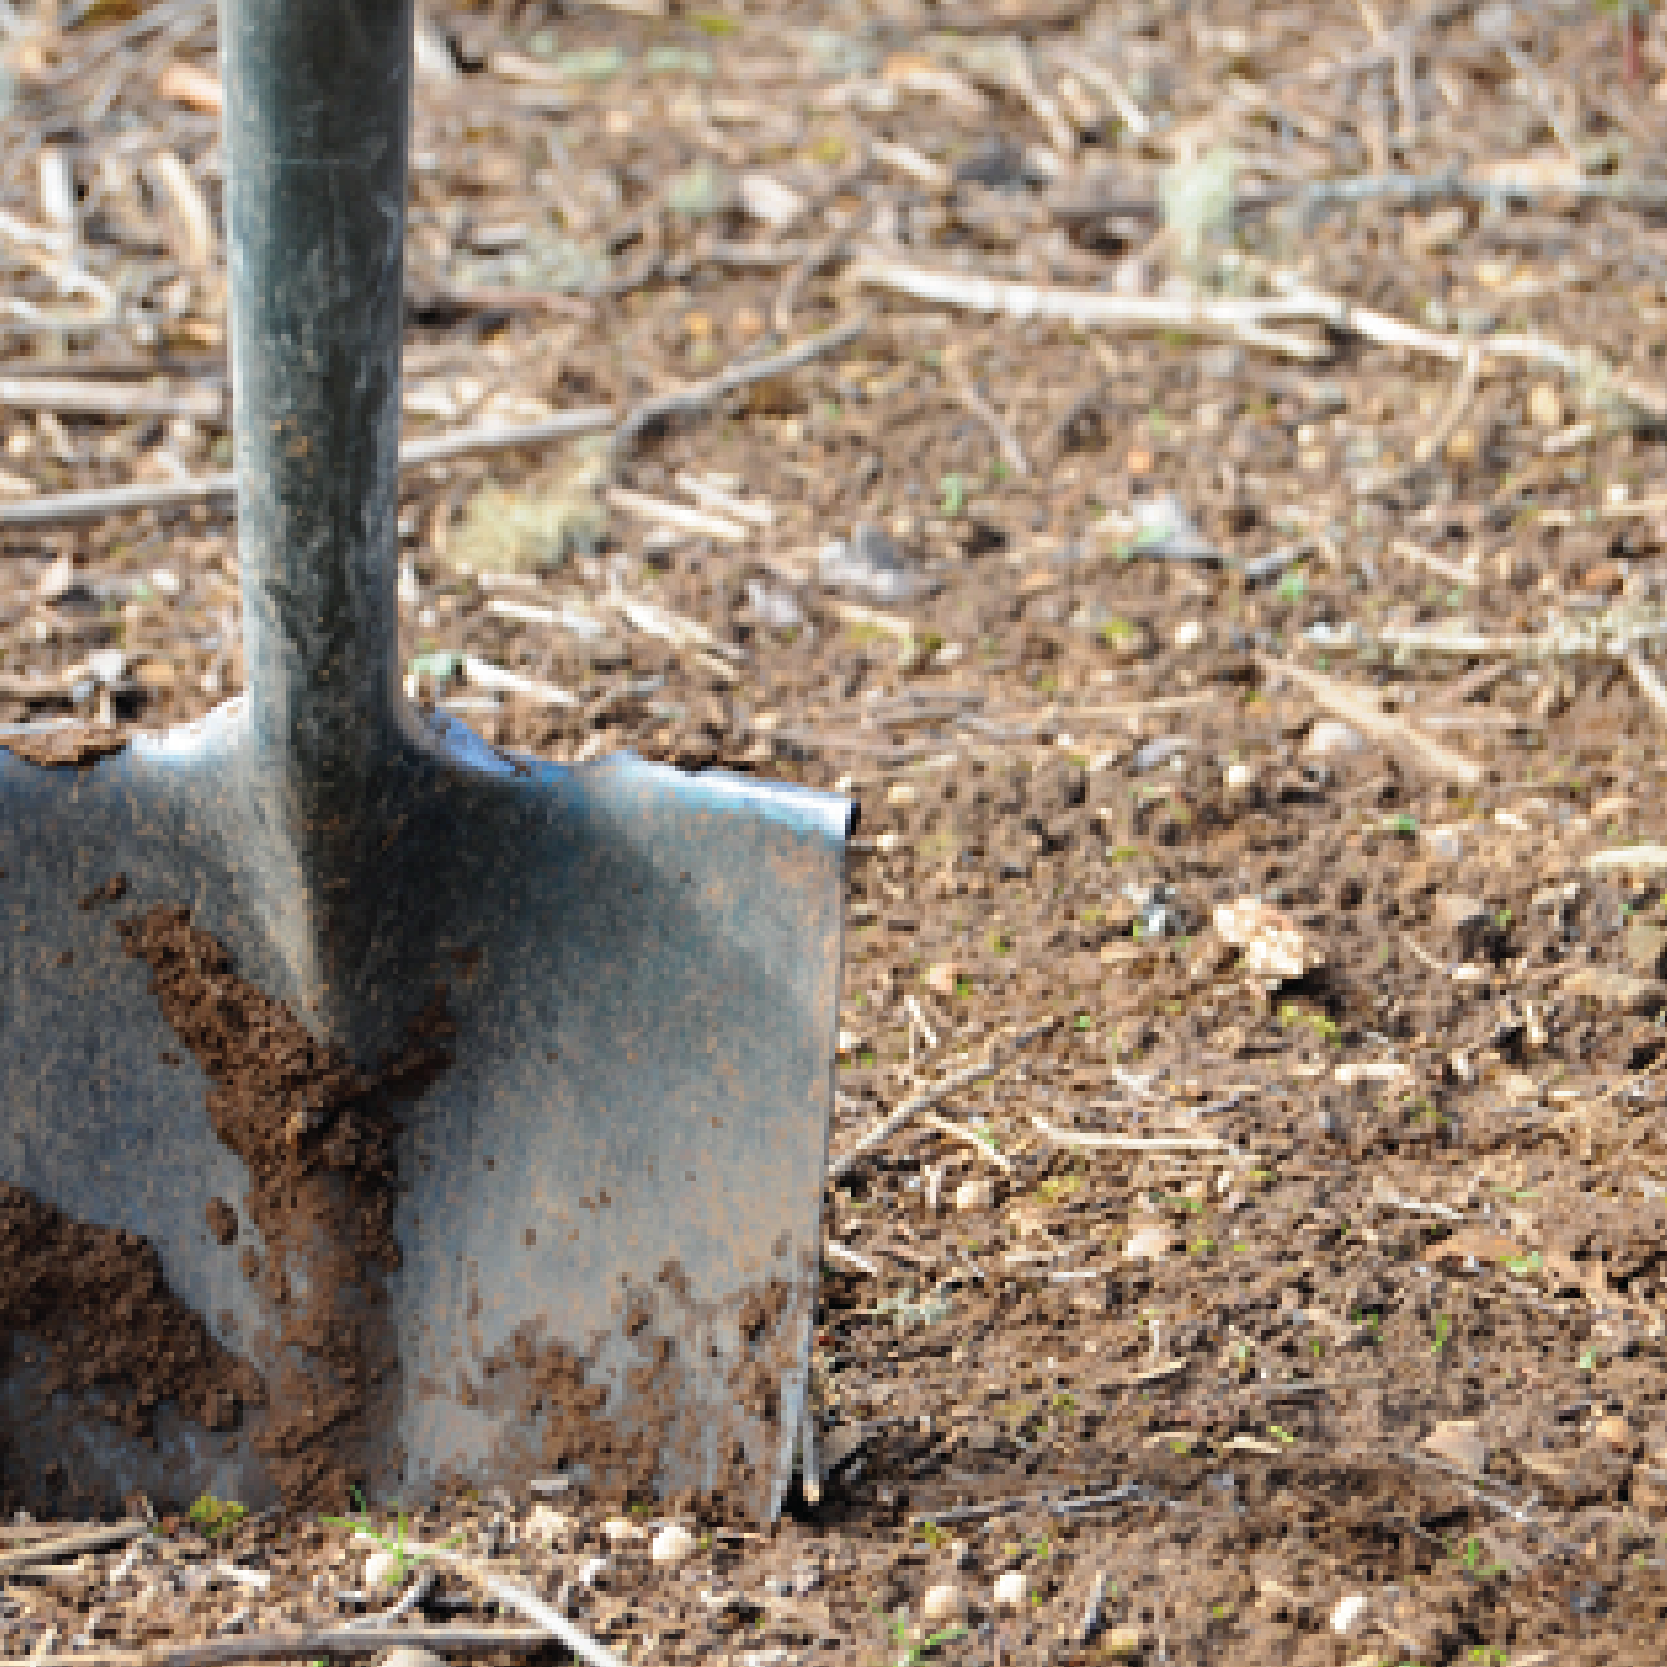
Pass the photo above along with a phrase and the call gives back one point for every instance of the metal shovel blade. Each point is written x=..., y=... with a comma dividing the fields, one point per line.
x=377, y=1110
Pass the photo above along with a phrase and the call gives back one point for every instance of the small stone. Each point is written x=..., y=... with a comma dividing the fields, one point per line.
x=1461, y=447
x=1148, y=1244
x=1464, y=923
x=1614, y=1432
x=1239, y=779
x=943, y=978
x=381, y=1569
x=1122, y=1643
x=1545, y=406
x=674, y=1544
x=546, y=1524
x=1446, y=844
x=1348, y=1613
x=405, y=1656
x=622, y=1531
x=592, y=1570
x=1188, y=634
x=979, y=1194
x=1164, y=529
x=901, y=795
x=1273, y=943
x=1617, y=992
x=1012, y=1591
x=943, y=1603
x=1455, y=1440
x=1332, y=738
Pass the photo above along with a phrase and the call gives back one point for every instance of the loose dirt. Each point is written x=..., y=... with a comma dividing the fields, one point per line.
x=317, y=1135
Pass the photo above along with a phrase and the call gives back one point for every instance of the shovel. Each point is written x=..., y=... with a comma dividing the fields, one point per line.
x=377, y=1111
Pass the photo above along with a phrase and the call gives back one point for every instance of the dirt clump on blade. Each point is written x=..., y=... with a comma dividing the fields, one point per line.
x=89, y=1309
x=317, y=1135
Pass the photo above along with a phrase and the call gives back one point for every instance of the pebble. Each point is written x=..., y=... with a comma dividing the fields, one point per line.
x=979, y=1194
x=1464, y=922
x=1456, y=1441
x=1123, y=1643
x=1148, y=1244
x=1332, y=738
x=1545, y=406
x=1012, y=1591
x=1189, y=634
x=869, y=566
x=406, y=1656
x=942, y=977
x=1274, y=945
x=674, y=1544
x=546, y=1523
x=902, y=794
x=1239, y=779
x=622, y=1531
x=592, y=1570
x=1348, y=1613
x=943, y=1603
x=1614, y=1431
x=381, y=1569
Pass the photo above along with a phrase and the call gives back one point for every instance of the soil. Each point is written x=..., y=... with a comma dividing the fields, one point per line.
x=1381, y=1314
x=317, y=1135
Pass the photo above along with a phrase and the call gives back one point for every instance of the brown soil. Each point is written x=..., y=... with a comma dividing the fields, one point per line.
x=317, y=1135
x=1217, y=1379
x=89, y=1307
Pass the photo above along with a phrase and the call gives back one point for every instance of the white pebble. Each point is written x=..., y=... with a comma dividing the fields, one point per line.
x=674, y=1544
x=1239, y=777
x=1346, y=1616
x=621, y=1531
x=1330, y=738
x=976, y=1195
x=592, y=1570
x=902, y=794
x=943, y=1603
x=1012, y=1589
x=381, y=1569
x=405, y=1656
x=546, y=1524
x=1189, y=633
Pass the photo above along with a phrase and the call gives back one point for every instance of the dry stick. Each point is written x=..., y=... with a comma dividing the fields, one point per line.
x=1383, y=480
x=109, y=399
x=1236, y=320
x=971, y=1137
x=528, y=1604
x=304, y=1643
x=693, y=400
x=986, y=413
x=58, y=508
x=1129, y=1142
x=928, y=1098
x=1647, y=680
x=98, y=1538
x=1353, y=707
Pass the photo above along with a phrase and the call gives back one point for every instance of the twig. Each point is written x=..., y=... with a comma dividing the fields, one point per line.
x=852, y=1259
x=109, y=399
x=970, y=1137
x=1448, y=570
x=98, y=1538
x=1383, y=480
x=1129, y=1142
x=690, y=401
x=529, y=1605
x=1355, y=708
x=684, y=517
x=305, y=1643
x=1234, y=320
x=60, y=508
x=986, y=413
x=1647, y=680
x=878, y=1133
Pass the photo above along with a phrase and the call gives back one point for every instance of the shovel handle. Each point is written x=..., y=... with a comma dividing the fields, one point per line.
x=317, y=125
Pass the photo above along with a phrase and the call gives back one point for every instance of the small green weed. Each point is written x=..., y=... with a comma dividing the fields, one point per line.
x=214, y=1518
x=1443, y=1330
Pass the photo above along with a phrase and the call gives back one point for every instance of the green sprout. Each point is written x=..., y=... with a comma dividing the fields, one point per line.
x=952, y=496
x=402, y=1551
x=1443, y=1329
x=215, y=1518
